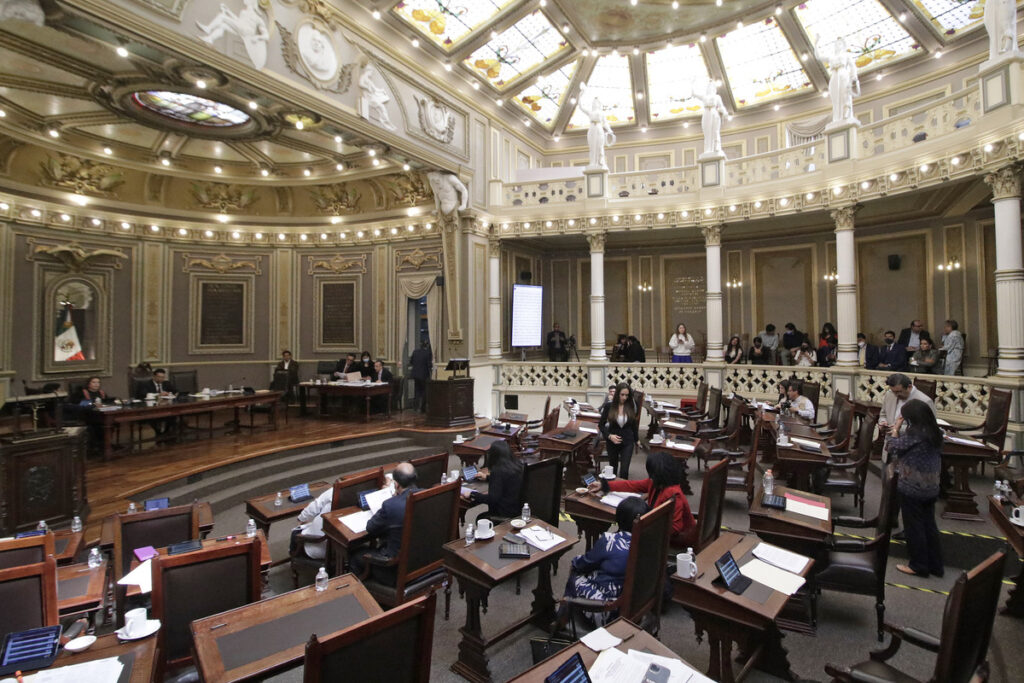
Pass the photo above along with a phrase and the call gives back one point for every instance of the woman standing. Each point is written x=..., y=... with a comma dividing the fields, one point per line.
x=734, y=351
x=953, y=343
x=918, y=462
x=505, y=474
x=682, y=345
x=621, y=429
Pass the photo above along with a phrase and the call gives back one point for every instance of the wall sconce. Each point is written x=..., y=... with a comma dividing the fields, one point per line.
x=951, y=264
x=831, y=276
x=734, y=284
x=645, y=287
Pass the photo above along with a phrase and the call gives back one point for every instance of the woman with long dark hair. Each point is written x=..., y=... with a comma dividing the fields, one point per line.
x=620, y=427
x=682, y=345
x=505, y=474
x=918, y=453
x=734, y=351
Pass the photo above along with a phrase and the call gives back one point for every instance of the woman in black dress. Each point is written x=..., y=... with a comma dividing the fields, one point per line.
x=621, y=429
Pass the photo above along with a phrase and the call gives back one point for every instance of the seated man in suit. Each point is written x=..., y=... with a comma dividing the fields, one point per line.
x=161, y=388
x=379, y=373
x=346, y=365
x=910, y=337
x=892, y=356
x=386, y=525
x=286, y=375
x=867, y=354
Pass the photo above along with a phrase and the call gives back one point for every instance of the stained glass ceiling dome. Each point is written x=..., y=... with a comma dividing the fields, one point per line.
x=646, y=58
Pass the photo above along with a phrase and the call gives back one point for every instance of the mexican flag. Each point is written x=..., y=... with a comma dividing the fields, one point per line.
x=65, y=345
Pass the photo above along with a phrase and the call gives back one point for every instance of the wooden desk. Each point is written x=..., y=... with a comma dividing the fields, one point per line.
x=263, y=511
x=479, y=570
x=354, y=390
x=341, y=538
x=679, y=428
x=262, y=638
x=799, y=533
x=1015, y=537
x=107, y=529
x=573, y=450
x=66, y=545
x=80, y=589
x=514, y=417
x=800, y=463
x=471, y=451
x=108, y=419
x=681, y=450
x=633, y=638
x=729, y=618
x=138, y=657
x=513, y=435
x=592, y=517
x=962, y=457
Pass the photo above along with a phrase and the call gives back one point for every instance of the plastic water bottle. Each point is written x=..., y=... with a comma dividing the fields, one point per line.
x=132, y=508
x=470, y=534
x=279, y=501
x=997, y=491
x=95, y=559
x=768, y=482
x=250, y=528
x=76, y=524
x=444, y=478
x=42, y=525
x=526, y=512
x=321, y=580
x=782, y=432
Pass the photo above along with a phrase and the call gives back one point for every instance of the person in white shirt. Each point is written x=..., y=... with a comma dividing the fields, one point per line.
x=682, y=345
x=953, y=343
x=796, y=403
x=311, y=525
x=804, y=356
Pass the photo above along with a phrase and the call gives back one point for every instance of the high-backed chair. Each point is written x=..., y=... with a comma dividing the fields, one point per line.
x=185, y=380
x=429, y=468
x=542, y=489
x=29, y=597
x=997, y=416
x=198, y=584
x=716, y=443
x=714, y=410
x=712, y=497
x=643, y=586
x=848, y=471
x=961, y=649
x=839, y=438
x=812, y=390
x=827, y=428
x=431, y=520
x=15, y=552
x=926, y=386
x=394, y=646
x=743, y=466
x=699, y=410
x=325, y=367
x=857, y=566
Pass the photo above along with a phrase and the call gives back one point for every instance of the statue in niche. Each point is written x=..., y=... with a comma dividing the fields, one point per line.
x=1001, y=24
x=249, y=25
x=373, y=98
x=600, y=132
x=843, y=83
x=22, y=10
x=450, y=195
x=711, y=119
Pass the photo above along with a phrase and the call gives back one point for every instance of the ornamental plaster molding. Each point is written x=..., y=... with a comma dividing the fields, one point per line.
x=712, y=235
x=596, y=242
x=1005, y=182
x=843, y=217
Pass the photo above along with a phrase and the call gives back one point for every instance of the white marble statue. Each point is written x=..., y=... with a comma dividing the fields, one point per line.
x=600, y=133
x=450, y=194
x=1001, y=24
x=249, y=25
x=843, y=83
x=711, y=119
x=373, y=99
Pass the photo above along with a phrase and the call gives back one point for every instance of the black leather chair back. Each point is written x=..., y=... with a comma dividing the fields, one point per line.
x=346, y=489
x=185, y=380
x=157, y=528
x=325, y=367
x=645, y=571
x=431, y=520
x=542, y=489
x=968, y=620
x=702, y=396
x=712, y=496
x=714, y=405
x=25, y=594
x=16, y=552
x=812, y=390
x=925, y=386
x=429, y=468
x=844, y=422
x=997, y=417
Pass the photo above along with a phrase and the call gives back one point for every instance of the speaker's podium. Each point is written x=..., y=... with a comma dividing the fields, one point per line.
x=450, y=398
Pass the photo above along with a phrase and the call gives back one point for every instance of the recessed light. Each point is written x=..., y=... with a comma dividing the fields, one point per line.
x=732, y=208
x=447, y=66
x=258, y=235
x=335, y=220
x=703, y=37
x=778, y=10
x=108, y=151
x=235, y=235
x=2, y=113
x=218, y=169
x=154, y=228
x=4, y=206
x=879, y=76
x=707, y=212
x=165, y=161
x=586, y=52
x=547, y=224
x=809, y=196
x=54, y=133
x=307, y=172
x=718, y=3
x=643, y=129
x=339, y=166
x=636, y=51
x=253, y=105
x=121, y=52
x=208, y=233
x=803, y=57
x=375, y=14
x=337, y=139
x=615, y=219
x=223, y=218
x=96, y=222
x=415, y=42
x=955, y=161
x=661, y=216
x=280, y=236
x=182, y=231
x=411, y=228
x=359, y=234
x=376, y=232
x=938, y=54
x=428, y=226
x=739, y=25
x=526, y=225
x=376, y=162
x=593, y=221
x=476, y=86
x=684, y=213
x=776, y=107
x=825, y=94
x=303, y=237
x=406, y=167
x=565, y=28
x=323, y=235
x=675, y=4
x=633, y=2
x=372, y=152
x=342, y=235
x=924, y=168
x=571, y=222
x=36, y=213
x=757, y=204
x=264, y=172
x=784, y=201
x=201, y=84
x=988, y=147
x=500, y=102
x=394, y=231
x=299, y=125
x=903, y=16
x=543, y=3
x=65, y=217
x=893, y=177
x=559, y=137
x=637, y=217
x=125, y=226
x=837, y=191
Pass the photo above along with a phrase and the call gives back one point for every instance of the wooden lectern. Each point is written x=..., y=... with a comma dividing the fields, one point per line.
x=450, y=401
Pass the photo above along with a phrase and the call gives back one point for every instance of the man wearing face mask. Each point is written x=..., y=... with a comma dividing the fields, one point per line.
x=892, y=356
x=867, y=354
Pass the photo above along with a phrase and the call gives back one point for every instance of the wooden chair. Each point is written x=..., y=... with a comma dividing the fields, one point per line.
x=712, y=497
x=849, y=475
x=926, y=386
x=198, y=584
x=29, y=597
x=716, y=443
x=812, y=390
x=993, y=430
x=743, y=466
x=644, y=583
x=394, y=646
x=15, y=552
x=826, y=428
x=839, y=439
x=700, y=410
x=714, y=410
x=429, y=468
x=858, y=566
x=961, y=649
x=185, y=380
x=431, y=520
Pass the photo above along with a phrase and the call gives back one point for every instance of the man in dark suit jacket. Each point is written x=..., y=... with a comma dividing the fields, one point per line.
x=556, y=342
x=162, y=388
x=422, y=362
x=286, y=375
x=867, y=354
x=910, y=337
x=346, y=365
x=387, y=524
x=892, y=356
x=380, y=373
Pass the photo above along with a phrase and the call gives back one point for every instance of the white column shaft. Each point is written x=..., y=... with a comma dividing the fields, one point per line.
x=1009, y=286
x=494, y=307
x=714, y=303
x=597, y=342
x=846, y=299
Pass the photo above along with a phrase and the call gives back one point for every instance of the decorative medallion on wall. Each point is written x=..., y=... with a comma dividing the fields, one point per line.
x=335, y=199
x=221, y=263
x=74, y=256
x=310, y=53
x=417, y=259
x=338, y=263
x=222, y=197
x=249, y=25
x=436, y=118
x=82, y=176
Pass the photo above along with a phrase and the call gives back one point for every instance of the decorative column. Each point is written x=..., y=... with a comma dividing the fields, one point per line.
x=713, y=249
x=1005, y=184
x=494, y=299
x=597, y=350
x=846, y=287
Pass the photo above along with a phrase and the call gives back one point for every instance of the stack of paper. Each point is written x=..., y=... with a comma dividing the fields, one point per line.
x=357, y=520
x=540, y=538
x=589, y=430
x=615, y=666
x=773, y=577
x=780, y=557
x=806, y=507
x=682, y=446
x=377, y=498
x=600, y=639
x=613, y=499
x=806, y=442
x=107, y=669
x=674, y=425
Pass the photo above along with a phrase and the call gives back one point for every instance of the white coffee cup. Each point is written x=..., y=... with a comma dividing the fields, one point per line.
x=453, y=475
x=135, y=621
x=685, y=567
x=458, y=438
x=484, y=527
x=608, y=471
x=1018, y=513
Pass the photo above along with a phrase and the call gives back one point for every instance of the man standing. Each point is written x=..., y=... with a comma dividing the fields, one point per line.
x=910, y=337
x=387, y=525
x=867, y=354
x=422, y=363
x=286, y=375
x=892, y=356
x=900, y=391
x=557, y=351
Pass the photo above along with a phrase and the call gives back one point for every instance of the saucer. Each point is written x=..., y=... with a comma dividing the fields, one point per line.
x=79, y=644
x=484, y=537
x=518, y=523
x=581, y=490
x=151, y=627
x=609, y=477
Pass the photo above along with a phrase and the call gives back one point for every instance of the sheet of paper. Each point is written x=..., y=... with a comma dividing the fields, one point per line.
x=600, y=639
x=141, y=576
x=613, y=666
x=357, y=520
x=942, y=423
x=377, y=498
x=108, y=669
x=613, y=499
x=773, y=577
x=805, y=509
x=682, y=446
x=673, y=411
x=674, y=425
x=780, y=557
x=540, y=538
x=806, y=442
x=679, y=671
x=589, y=430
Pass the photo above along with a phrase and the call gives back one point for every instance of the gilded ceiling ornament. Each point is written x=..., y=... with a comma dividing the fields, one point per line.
x=310, y=53
x=417, y=258
x=74, y=256
x=222, y=197
x=68, y=172
x=407, y=189
x=335, y=199
x=337, y=264
x=436, y=118
x=221, y=263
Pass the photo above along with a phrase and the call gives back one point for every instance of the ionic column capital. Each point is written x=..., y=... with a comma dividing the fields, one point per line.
x=1005, y=182
x=712, y=235
x=843, y=217
x=596, y=242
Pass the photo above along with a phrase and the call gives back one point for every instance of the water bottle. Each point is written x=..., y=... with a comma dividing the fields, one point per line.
x=131, y=507
x=279, y=501
x=250, y=528
x=444, y=478
x=997, y=491
x=321, y=580
x=42, y=526
x=95, y=559
x=76, y=524
x=470, y=534
x=782, y=433
x=768, y=482
x=662, y=434
x=526, y=512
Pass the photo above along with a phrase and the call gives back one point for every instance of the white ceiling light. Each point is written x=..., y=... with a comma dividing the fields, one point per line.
x=784, y=201
x=335, y=220
x=500, y=102
x=636, y=51
x=264, y=172
x=593, y=221
x=154, y=228
x=65, y=217
x=376, y=162
x=703, y=37
x=253, y=105
x=307, y=172
x=893, y=177
x=415, y=42
x=707, y=212
x=299, y=125
x=222, y=218
x=36, y=213
x=303, y=237
x=201, y=84
x=125, y=226
x=447, y=66
x=218, y=169
x=280, y=236
x=359, y=234
x=809, y=196
x=337, y=139
x=639, y=95
x=108, y=151
x=547, y=224
x=675, y=4
x=778, y=10
x=394, y=231
x=661, y=217
x=258, y=235
x=79, y=199
x=376, y=232
x=757, y=204
x=988, y=147
x=339, y=166
x=375, y=14
x=865, y=184
x=96, y=222
x=53, y=133
x=406, y=167
x=924, y=168
x=955, y=161
x=208, y=233
x=837, y=191
x=476, y=86
x=372, y=152
x=165, y=161
x=323, y=235
x=121, y=51
x=411, y=228
x=235, y=235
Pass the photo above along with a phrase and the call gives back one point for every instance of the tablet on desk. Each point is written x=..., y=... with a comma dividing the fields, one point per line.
x=157, y=504
x=572, y=671
x=300, y=493
x=730, y=573
x=469, y=473
x=588, y=479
